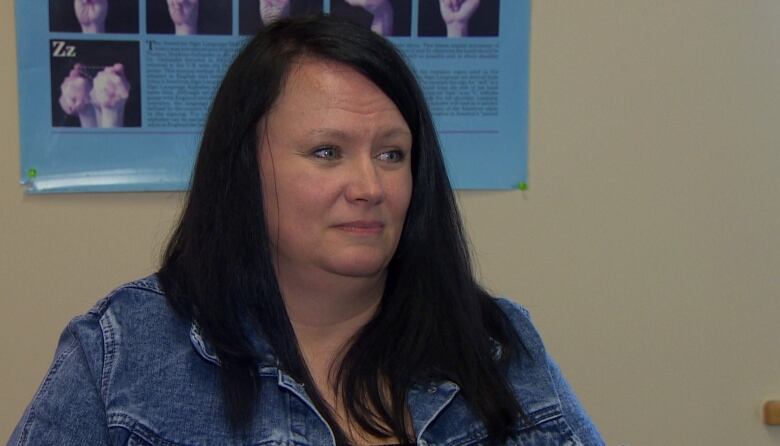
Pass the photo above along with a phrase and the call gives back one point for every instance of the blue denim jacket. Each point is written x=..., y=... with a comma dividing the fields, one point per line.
x=130, y=372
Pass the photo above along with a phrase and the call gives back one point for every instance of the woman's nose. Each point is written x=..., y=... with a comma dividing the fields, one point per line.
x=365, y=183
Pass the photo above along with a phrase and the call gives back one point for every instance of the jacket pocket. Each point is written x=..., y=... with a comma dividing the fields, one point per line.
x=553, y=431
x=125, y=430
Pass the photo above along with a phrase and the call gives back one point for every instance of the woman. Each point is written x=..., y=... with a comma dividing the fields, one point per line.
x=317, y=290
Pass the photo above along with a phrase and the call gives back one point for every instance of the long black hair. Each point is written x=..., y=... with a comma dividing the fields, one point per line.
x=434, y=320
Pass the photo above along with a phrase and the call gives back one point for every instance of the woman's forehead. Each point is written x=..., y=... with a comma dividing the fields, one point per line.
x=307, y=75
x=319, y=86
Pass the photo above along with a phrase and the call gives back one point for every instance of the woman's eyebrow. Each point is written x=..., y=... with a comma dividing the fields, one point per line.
x=397, y=131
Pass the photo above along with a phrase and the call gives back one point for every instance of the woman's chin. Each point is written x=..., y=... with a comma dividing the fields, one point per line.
x=358, y=266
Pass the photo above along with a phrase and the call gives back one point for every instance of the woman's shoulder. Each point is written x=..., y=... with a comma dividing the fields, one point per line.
x=512, y=308
x=539, y=383
x=132, y=334
x=131, y=367
x=130, y=316
x=138, y=303
x=520, y=318
x=136, y=295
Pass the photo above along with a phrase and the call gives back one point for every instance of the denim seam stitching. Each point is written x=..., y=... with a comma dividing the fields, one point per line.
x=109, y=353
x=148, y=283
x=138, y=429
x=478, y=435
x=542, y=416
x=281, y=382
x=30, y=418
x=436, y=414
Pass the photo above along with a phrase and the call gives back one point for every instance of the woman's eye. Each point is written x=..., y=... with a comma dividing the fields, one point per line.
x=392, y=156
x=327, y=153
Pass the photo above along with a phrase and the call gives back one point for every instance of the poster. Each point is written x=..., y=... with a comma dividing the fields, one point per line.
x=113, y=93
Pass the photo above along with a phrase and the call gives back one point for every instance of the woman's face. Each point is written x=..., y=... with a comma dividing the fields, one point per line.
x=335, y=161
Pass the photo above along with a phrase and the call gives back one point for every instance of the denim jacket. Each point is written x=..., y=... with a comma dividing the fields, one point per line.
x=130, y=372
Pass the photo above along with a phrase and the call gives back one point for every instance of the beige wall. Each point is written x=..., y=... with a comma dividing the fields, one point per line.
x=648, y=247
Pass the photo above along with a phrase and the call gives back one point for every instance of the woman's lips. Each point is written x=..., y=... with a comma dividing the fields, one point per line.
x=361, y=227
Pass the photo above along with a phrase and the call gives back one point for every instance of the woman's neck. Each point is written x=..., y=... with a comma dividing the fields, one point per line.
x=327, y=310
x=321, y=300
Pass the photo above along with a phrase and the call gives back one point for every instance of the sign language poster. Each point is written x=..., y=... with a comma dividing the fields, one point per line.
x=113, y=93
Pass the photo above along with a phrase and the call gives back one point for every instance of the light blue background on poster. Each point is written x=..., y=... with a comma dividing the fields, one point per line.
x=481, y=152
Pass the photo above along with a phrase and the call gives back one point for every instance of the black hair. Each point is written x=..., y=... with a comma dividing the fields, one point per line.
x=434, y=320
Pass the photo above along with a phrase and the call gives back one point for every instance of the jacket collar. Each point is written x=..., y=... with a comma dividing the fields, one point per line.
x=265, y=355
x=425, y=400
